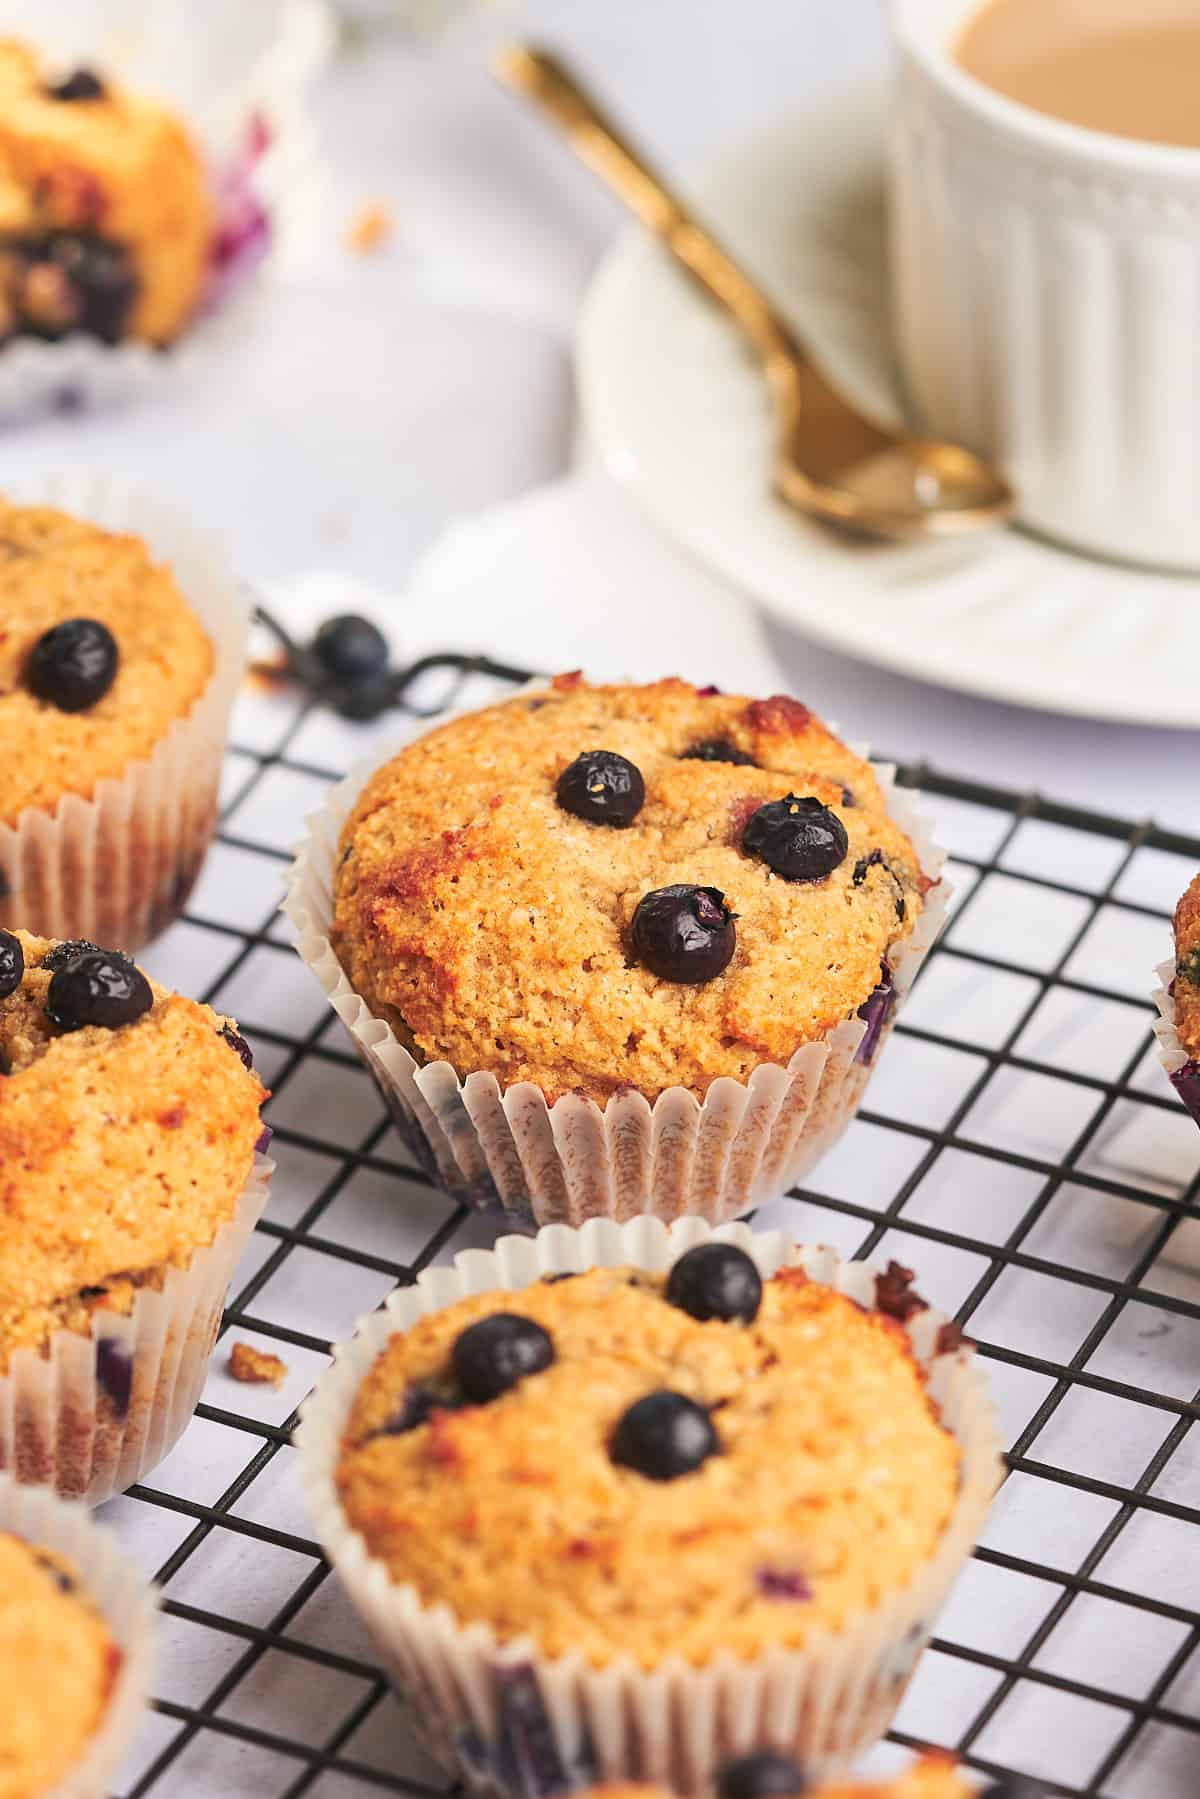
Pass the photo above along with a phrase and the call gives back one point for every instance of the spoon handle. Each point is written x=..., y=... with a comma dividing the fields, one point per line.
x=541, y=77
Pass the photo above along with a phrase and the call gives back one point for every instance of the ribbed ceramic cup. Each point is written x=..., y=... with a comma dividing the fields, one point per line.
x=523, y=1725
x=1046, y=291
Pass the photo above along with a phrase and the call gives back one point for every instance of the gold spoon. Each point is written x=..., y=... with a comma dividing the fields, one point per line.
x=829, y=460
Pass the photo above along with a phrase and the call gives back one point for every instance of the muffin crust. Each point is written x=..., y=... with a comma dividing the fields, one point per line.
x=833, y=1483
x=1187, y=970
x=58, y=1663
x=491, y=928
x=122, y=1152
x=53, y=568
x=931, y=1777
x=119, y=166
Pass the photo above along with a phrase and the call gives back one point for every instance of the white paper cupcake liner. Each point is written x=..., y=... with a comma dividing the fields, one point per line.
x=1182, y=1072
x=90, y=1415
x=237, y=75
x=516, y=1722
x=745, y=1143
x=128, y=1604
x=117, y=868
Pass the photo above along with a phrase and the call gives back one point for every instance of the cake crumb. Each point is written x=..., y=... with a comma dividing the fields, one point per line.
x=250, y=1364
x=370, y=228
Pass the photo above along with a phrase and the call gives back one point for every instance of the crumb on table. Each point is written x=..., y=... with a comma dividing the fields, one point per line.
x=370, y=227
x=250, y=1364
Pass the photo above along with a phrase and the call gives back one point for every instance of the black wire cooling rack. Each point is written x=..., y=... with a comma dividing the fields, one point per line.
x=1019, y=1146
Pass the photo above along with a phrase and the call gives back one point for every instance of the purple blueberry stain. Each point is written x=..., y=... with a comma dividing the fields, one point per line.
x=530, y=1761
x=1186, y=1082
x=875, y=1011
x=262, y=1142
x=782, y=1583
x=114, y=1372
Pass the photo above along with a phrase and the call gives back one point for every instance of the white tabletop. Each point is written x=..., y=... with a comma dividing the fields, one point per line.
x=376, y=401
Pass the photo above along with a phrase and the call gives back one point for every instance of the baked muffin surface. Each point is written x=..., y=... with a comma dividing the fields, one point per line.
x=829, y=1486
x=54, y=568
x=58, y=1662
x=122, y=1151
x=1187, y=970
x=104, y=206
x=493, y=928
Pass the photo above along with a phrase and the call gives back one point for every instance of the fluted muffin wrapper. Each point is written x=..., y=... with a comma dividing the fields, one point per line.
x=746, y=1142
x=1183, y=1071
x=117, y=868
x=251, y=73
x=89, y=1415
x=128, y=1604
x=514, y=1721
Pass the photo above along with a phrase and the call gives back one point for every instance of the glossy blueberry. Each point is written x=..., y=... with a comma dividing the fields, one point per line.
x=73, y=665
x=350, y=648
x=684, y=933
x=97, y=988
x=493, y=1355
x=238, y=1045
x=102, y=278
x=664, y=1435
x=716, y=1280
x=12, y=964
x=763, y=1775
x=800, y=839
x=81, y=84
x=602, y=788
x=718, y=749
x=66, y=951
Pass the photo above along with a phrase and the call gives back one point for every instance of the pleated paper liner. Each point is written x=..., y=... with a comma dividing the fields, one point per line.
x=91, y=1415
x=128, y=1604
x=1182, y=1071
x=746, y=1142
x=117, y=868
x=512, y=1721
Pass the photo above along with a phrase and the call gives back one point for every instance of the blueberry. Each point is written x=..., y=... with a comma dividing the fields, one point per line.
x=114, y=1373
x=12, y=964
x=684, y=933
x=351, y=649
x=663, y=1436
x=493, y=1355
x=82, y=84
x=101, y=276
x=716, y=1280
x=97, y=988
x=718, y=749
x=417, y=1406
x=73, y=665
x=238, y=1045
x=601, y=787
x=800, y=839
x=66, y=951
x=762, y=1775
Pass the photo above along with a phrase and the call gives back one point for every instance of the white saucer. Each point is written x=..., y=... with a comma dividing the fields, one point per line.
x=678, y=412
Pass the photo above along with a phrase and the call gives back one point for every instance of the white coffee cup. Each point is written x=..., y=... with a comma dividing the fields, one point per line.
x=1046, y=292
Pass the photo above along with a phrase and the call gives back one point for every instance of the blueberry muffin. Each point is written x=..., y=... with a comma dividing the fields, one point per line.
x=766, y=1775
x=106, y=223
x=101, y=658
x=129, y=1120
x=1186, y=995
x=625, y=1464
x=602, y=888
x=60, y=1665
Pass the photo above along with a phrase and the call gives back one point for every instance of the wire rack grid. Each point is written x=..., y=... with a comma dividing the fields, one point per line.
x=1019, y=1147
